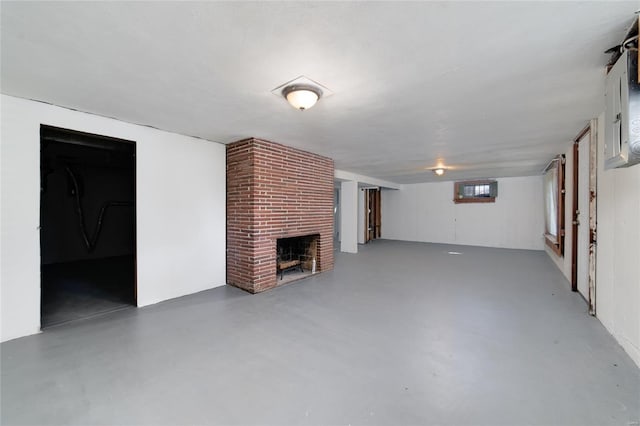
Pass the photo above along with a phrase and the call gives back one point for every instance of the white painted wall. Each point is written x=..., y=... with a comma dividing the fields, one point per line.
x=618, y=248
x=426, y=212
x=342, y=175
x=352, y=219
x=349, y=217
x=180, y=209
x=618, y=251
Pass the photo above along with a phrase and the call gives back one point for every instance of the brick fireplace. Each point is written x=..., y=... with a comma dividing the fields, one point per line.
x=274, y=192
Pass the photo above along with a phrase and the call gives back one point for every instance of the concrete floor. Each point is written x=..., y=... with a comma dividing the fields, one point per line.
x=399, y=334
x=76, y=290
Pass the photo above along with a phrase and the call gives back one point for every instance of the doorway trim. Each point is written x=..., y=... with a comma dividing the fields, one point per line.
x=591, y=131
x=574, y=216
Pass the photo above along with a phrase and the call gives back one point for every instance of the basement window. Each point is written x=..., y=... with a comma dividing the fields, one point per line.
x=475, y=191
x=554, y=205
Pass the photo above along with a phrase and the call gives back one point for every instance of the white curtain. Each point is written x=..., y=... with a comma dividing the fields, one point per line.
x=551, y=201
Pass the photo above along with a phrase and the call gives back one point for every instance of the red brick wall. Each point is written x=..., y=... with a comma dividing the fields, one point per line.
x=274, y=191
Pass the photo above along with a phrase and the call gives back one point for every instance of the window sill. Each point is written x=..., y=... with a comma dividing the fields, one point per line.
x=474, y=200
x=554, y=244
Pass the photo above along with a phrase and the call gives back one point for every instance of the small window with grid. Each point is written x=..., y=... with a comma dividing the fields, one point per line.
x=477, y=191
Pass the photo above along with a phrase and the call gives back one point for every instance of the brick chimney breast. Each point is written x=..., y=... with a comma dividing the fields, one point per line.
x=274, y=191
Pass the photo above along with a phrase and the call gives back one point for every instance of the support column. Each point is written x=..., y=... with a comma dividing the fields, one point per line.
x=349, y=216
x=361, y=213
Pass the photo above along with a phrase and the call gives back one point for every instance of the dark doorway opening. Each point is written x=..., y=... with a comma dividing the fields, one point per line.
x=373, y=215
x=87, y=225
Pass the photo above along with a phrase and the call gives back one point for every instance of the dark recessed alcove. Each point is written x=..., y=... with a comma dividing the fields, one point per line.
x=87, y=225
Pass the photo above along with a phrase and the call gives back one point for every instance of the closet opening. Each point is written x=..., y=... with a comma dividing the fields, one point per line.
x=87, y=225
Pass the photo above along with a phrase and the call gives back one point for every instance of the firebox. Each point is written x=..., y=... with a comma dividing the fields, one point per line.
x=296, y=256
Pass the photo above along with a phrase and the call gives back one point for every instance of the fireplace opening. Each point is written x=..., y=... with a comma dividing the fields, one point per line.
x=296, y=257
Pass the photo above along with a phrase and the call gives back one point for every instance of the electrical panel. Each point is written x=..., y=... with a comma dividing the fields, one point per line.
x=622, y=112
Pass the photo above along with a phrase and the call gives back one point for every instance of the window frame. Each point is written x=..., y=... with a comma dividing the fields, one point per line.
x=480, y=199
x=556, y=243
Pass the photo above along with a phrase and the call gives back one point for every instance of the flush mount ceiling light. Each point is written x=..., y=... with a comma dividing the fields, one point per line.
x=301, y=97
x=302, y=93
x=439, y=171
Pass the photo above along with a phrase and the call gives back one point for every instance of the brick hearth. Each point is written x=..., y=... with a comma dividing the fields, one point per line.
x=274, y=191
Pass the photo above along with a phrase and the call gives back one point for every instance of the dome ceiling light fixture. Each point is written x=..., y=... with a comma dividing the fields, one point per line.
x=439, y=171
x=302, y=93
x=301, y=97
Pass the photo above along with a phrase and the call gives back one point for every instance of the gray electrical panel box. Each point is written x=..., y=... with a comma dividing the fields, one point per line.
x=622, y=113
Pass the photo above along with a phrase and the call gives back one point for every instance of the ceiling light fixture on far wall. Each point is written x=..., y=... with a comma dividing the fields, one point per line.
x=439, y=171
x=302, y=93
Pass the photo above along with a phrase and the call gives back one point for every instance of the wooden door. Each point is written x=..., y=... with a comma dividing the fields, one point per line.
x=583, y=252
x=582, y=218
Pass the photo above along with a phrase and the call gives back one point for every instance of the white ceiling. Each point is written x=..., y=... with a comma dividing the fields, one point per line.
x=491, y=89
